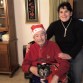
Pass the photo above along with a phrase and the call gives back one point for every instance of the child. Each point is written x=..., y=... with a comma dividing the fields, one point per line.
x=44, y=51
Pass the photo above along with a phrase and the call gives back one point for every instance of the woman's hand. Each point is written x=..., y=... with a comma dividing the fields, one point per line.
x=27, y=47
x=65, y=56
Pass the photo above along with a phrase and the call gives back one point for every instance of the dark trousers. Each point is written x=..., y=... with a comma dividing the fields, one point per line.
x=36, y=79
x=77, y=68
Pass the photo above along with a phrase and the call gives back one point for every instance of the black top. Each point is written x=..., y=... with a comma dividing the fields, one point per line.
x=73, y=41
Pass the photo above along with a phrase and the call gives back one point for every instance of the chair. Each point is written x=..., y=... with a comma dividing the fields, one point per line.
x=26, y=75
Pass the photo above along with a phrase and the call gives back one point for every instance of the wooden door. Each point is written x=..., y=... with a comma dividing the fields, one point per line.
x=4, y=58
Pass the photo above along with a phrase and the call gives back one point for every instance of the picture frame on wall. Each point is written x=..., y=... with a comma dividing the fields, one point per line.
x=32, y=11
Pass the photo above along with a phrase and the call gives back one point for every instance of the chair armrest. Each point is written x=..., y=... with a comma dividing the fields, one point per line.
x=29, y=74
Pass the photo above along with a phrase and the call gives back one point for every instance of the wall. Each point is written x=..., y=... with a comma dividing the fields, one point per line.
x=22, y=28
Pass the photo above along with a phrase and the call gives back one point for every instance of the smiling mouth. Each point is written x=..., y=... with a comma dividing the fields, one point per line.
x=64, y=17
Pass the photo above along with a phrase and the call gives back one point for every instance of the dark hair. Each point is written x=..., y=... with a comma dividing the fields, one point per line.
x=65, y=4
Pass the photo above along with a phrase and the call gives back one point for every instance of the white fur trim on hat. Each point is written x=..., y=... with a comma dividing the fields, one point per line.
x=37, y=29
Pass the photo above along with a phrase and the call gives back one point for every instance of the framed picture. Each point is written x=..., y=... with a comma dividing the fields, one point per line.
x=32, y=10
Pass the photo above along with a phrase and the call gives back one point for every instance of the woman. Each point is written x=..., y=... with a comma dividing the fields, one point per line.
x=68, y=35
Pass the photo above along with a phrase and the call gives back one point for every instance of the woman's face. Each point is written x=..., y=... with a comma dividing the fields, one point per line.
x=64, y=14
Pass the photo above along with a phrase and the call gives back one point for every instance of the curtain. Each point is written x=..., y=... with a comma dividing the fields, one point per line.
x=53, y=13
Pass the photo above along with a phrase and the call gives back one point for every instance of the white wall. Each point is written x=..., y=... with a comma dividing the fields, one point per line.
x=23, y=29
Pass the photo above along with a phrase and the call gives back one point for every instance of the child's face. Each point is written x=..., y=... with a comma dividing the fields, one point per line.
x=40, y=37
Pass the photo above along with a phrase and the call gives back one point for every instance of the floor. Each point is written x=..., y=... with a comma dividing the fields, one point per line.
x=17, y=78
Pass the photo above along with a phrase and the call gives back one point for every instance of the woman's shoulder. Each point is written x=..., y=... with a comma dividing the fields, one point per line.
x=55, y=24
x=75, y=20
x=78, y=24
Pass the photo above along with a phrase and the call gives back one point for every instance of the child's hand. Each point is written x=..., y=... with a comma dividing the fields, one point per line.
x=55, y=79
x=34, y=70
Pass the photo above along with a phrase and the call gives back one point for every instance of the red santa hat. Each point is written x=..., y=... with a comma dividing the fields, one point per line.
x=36, y=28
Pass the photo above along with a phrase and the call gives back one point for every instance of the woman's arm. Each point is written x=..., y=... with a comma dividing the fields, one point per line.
x=65, y=56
